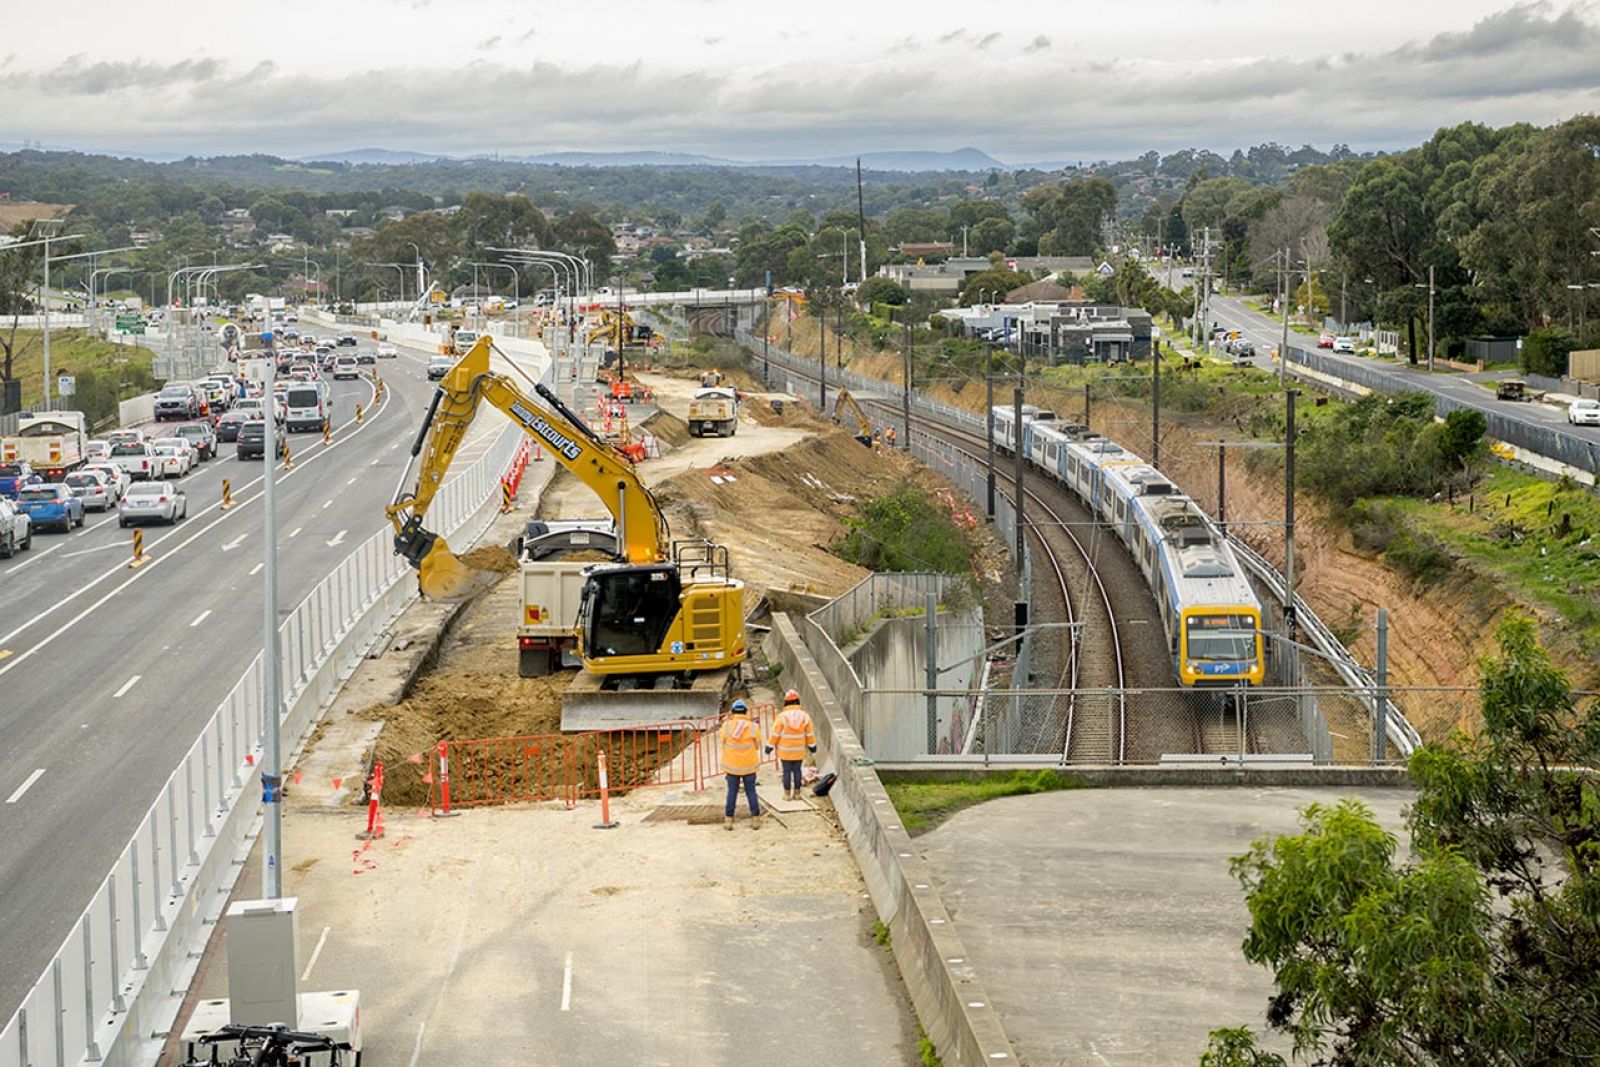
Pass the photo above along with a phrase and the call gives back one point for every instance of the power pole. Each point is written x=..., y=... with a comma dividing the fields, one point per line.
x=1430, y=318
x=1155, y=396
x=1085, y=405
x=1222, y=488
x=988, y=410
x=905, y=393
x=1283, y=348
x=861, y=219
x=1017, y=454
x=1288, y=512
x=822, y=357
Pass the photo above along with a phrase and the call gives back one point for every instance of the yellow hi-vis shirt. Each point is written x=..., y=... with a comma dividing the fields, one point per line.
x=741, y=745
x=792, y=733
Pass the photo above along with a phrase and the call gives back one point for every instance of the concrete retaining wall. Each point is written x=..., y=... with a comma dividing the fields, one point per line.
x=948, y=994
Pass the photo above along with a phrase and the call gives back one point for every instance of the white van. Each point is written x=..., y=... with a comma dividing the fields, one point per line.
x=307, y=404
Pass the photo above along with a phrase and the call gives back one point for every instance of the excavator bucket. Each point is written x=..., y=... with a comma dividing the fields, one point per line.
x=442, y=576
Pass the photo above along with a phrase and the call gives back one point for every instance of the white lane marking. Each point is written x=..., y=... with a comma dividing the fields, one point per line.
x=119, y=570
x=338, y=539
x=566, y=985
x=200, y=618
x=256, y=569
x=323, y=940
x=96, y=548
x=416, y=1052
x=235, y=543
x=327, y=504
x=37, y=556
x=352, y=481
x=25, y=786
x=129, y=684
x=296, y=532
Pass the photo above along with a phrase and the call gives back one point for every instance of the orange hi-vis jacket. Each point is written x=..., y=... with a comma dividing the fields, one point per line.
x=792, y=733
x=741, y=745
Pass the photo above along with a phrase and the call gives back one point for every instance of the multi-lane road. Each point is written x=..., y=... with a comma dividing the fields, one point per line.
x=107, y=674
x=1266, y=334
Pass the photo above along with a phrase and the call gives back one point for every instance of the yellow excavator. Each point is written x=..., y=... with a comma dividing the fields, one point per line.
x=660, y=632
x=845, y=402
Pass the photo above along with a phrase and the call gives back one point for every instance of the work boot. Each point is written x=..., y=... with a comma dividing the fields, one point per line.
x=727, y=822
x=755, y=822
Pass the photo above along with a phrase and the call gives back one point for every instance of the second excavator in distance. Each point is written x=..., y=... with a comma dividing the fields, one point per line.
x=661, y=631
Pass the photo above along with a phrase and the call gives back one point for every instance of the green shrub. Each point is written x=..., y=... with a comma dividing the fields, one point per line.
x=1545, y=351
x=905, y=530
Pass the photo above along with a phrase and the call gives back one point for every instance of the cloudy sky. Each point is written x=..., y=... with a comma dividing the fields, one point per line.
x=1027, y=80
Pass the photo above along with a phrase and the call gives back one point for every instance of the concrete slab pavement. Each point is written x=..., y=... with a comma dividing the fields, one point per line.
x=1105, y=921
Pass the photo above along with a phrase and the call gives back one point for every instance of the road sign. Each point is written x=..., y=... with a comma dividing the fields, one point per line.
x=66, y=385
x=130, y=324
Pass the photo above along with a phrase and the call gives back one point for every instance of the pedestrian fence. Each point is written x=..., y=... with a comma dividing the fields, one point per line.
x=565, y=767
x=120, y=975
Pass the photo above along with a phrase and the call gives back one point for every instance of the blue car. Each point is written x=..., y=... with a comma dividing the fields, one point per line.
x=52, y=504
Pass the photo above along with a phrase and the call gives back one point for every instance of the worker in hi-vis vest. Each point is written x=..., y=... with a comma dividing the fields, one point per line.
x=792, y=736
x=741, y=756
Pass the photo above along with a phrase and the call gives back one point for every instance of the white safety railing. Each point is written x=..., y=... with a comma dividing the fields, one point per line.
x=116, y=984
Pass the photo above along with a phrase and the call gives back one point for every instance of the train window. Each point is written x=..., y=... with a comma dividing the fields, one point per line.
x=1220, y=636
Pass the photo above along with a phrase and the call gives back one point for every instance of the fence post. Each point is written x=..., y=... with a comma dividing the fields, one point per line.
x=605, y=822
x=91, y=1050
x=1380, y=705
x=188, y=808
x=61, y=1011
x=931, y=664
x=155, y=874
x=172, y=832
x=139, y=962
x=118, y=1002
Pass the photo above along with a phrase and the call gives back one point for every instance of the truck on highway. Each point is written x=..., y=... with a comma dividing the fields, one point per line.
x=714, y=412
x=307, y=404
x=51, y=442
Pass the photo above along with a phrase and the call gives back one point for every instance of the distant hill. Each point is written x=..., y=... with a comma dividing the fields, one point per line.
x=380, y=156
x=624, y=159
x=960, y=159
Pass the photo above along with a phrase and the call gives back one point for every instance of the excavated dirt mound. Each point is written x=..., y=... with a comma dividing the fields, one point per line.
x=493, y=558
x=671, y=429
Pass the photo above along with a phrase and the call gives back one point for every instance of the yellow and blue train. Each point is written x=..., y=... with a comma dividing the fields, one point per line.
x=1209, y=610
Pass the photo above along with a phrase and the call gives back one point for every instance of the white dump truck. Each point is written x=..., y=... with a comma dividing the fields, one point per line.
x=551, y=585
x=714, y=412
x=51, y=442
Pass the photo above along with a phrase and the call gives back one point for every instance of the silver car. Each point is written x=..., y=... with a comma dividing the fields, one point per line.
x=91, y=487
x=1584, y=412
x=152, y=502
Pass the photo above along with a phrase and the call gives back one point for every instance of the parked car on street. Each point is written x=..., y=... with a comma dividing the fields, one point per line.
x=92, y=487
x=16, y=529
x=52, y=504
x=153, y=502
x=1584, y=412
x=201, y=437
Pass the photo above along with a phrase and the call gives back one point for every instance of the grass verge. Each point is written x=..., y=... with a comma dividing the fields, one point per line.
x=924, y=804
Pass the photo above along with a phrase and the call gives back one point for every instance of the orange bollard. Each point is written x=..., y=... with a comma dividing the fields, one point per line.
x=327, y=429
x=444, y=777
x=138, y=559
x=538, y=453
x=227, y=494
x=606, y=822
x=288, y=457
x=374, y=821
x=358, y=414
x=508, y=499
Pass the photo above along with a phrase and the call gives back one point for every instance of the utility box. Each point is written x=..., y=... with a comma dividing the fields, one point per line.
x=262, y=984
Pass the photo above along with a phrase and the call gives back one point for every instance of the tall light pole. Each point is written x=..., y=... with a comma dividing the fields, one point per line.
x=272, y=700
x=48, y=259
x=1429, y=287
x=420, y=279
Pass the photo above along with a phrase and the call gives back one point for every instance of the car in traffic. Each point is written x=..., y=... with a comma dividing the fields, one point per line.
x=201, y=437
x=307, y=406
x=92, y=487
x=388, y=351
x=1584, y=412
x=96, y=450
x=252, y=440
x=13, y=476
x=173, y=457
x=346, y=368
x=115, y=476
x=177, y=402
x=217, y=394
x=439, y=366
x=347, y=340
x=16, y=529
x=153, y=502
x=228, y=425
x=124, y=437
x=1243, y=349
x=1346, y=345
x=51, y=505
x=366, y=357
x=135, y=458
x=1325, y=341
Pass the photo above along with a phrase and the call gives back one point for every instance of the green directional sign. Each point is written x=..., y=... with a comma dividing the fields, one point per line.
x=130, y=324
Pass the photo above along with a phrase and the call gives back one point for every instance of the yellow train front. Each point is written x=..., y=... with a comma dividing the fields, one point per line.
x=1220, y=646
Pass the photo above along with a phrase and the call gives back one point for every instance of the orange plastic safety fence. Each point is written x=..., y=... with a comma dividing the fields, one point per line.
x=509, y=770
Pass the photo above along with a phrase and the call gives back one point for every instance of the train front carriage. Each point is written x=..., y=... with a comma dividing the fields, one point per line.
x=1220, y=645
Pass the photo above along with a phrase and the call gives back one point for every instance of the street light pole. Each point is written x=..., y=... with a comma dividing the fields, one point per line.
x=272, y=700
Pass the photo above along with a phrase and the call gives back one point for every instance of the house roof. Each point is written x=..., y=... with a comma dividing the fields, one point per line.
x=1038, y=292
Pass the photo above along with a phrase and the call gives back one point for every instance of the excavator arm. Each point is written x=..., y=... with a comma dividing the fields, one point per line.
x=642, y=531
x=846, y=402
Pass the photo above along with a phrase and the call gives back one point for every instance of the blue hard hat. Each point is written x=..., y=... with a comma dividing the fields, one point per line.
x=739, y=705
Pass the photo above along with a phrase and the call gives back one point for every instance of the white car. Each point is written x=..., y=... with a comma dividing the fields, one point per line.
x=93, y=488
x=174, y=457
x=152, y=502
x=94, y=451
x=16, y=529
x=387, y=351
x=1584, y=413
x=1345, y=345
x=135, y=458
x=346, y=367
x=115, y=476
